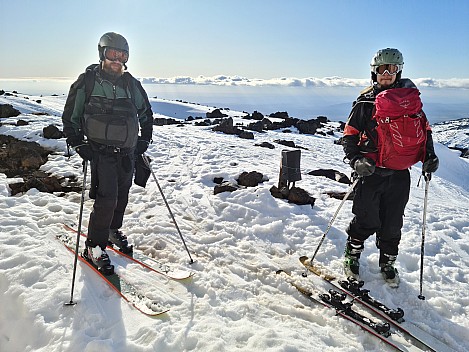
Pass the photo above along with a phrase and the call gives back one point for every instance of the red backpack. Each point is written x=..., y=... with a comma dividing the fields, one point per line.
x=402, y=128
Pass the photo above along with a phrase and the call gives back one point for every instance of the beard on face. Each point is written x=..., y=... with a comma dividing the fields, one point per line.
x=110, y=67
x=386, y=82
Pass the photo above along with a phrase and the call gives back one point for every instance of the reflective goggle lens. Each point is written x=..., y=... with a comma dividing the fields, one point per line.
x=116, y=55
x=390, y=68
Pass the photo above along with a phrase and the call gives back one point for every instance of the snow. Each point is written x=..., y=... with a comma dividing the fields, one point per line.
x=235, y=301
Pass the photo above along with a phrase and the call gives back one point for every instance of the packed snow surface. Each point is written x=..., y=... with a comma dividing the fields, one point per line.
x=235, y=300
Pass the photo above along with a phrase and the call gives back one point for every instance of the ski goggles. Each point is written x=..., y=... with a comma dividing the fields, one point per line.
x=391, y=69
x=112, y=54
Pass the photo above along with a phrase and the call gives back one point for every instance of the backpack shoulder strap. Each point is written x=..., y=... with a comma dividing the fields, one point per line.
x=129, y=84
x=90, y=75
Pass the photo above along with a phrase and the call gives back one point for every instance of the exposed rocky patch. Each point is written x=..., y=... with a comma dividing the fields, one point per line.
x=22, y=159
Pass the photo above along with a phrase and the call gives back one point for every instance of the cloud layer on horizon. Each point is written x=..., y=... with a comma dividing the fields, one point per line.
x=222, y=80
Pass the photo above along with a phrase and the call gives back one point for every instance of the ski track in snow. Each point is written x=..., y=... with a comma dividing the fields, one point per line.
x=235, y=301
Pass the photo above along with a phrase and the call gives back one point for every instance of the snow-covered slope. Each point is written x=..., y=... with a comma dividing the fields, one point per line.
x=235, y=301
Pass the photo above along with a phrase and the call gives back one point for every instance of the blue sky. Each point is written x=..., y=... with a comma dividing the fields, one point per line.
x=249, y=38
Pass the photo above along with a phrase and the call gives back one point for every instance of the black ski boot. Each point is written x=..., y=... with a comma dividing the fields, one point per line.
x=118, y=239
x=99, y=259
x=353, y=250
x=389, y=272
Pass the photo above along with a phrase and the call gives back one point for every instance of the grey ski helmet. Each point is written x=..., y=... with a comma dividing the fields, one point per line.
x=385, y=57
x=112, y=40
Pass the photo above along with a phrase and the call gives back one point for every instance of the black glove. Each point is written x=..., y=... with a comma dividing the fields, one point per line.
x=364, y=166
x=142, y=146
x=81, y=147
x=430, y=164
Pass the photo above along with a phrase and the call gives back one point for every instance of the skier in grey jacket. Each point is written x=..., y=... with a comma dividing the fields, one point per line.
x=108, y=121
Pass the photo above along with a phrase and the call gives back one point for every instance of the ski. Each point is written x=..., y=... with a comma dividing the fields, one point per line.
x=123, y=288
x=355, y=287
x=395, y=317
x=335, y=300
x=147, y=262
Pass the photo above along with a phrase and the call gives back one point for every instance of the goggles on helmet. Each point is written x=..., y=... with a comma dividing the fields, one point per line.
x=391, y=69
x=112, y=54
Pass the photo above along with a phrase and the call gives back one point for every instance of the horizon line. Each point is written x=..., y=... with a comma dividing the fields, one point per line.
x=236, y=80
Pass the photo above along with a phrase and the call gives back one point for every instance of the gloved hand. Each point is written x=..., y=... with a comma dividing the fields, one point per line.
x=430, y=164
x=85, y=151
x=81, y=147
x=364, y=166
x=142, y=146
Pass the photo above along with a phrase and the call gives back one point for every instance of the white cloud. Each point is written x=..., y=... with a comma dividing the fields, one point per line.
x=223, y=80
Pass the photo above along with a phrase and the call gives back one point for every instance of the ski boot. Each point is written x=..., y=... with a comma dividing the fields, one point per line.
x=353, y=250
x=98, y=257
x=389, y=272
x=118, y=239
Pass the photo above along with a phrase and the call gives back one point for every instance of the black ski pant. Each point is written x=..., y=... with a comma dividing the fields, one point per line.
x=378, y=206
x=111, y=176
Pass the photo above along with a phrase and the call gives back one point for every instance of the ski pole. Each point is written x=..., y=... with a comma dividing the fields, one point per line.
x=85, y=169
x=427, y=177
x=147, y=163
x=333, y=218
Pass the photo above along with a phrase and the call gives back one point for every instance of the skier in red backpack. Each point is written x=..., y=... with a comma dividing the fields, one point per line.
x=372, y=142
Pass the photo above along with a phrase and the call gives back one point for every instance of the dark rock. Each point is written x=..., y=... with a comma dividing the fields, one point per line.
x=265, y=145
x=20, y=157
x=226, y=126
x=294, y=195
x=331, y=174
x=7, y=110
x=286, y=143
x=280, y=115
x=21, y=122
x=23, y=159
x=299, y=196
x=215, y=114
x=245, y=135
x=218, y=180
x=322, y=119
x=203, y=123
x=250, y=179
x=340, y=195
x=281, y=193
x=165, y=121
x=225, y=187
x=308, y=127
x=52, y=132
x=257, y=116
x=256, y=126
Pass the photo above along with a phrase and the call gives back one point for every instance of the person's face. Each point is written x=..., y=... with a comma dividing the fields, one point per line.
x=385, y=80
x=114, y=60
x=114, y=68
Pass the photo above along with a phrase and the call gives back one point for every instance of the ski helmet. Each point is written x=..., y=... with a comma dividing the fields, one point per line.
x=112, y=40
x=385, y=57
